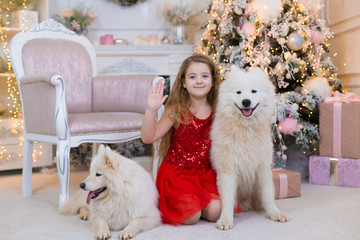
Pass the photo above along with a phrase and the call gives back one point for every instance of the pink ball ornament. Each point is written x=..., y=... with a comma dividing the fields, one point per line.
x=248, y=28
x=288, y=125
x=316, y=36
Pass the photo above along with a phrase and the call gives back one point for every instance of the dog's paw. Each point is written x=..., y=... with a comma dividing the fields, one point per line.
x=84, y=214
x=224, y=224
x=127, y=233
x=279, y=217
x=66, y=208
x=103, y=235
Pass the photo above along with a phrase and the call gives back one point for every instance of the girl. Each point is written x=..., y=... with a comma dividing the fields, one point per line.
x=185, y=181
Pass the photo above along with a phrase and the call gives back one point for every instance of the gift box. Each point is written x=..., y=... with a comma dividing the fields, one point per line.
x=342, y=172
x=24, y=19
x=287, y=183
x=340, y=126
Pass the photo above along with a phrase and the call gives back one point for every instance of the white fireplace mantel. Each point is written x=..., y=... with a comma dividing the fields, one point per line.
x=130, y=59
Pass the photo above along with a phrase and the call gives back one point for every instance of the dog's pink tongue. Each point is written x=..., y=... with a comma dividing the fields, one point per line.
x=247, y=112
x=89, y=197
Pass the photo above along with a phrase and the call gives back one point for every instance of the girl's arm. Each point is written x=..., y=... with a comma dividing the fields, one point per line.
x=152, y=130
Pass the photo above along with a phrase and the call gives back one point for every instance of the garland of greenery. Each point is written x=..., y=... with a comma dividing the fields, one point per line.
x=127, y=3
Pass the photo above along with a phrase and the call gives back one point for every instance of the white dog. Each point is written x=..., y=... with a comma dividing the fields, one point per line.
x=121, y=196
x=242, y=147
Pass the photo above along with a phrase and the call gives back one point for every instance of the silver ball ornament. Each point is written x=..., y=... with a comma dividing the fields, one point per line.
x=295, y=41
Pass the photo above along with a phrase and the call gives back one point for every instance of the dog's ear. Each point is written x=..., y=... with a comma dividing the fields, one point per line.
x=107, y=157
x=109, y=162
x=101, y=148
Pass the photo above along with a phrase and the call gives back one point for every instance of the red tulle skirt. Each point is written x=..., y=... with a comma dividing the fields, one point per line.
x=184, y=191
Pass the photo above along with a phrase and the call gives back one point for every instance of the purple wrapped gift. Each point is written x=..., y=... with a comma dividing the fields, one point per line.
x=343, y=172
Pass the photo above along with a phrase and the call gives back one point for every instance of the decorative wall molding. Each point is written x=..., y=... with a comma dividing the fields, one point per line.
x=128, y=65
x=343, y=18
x=342, y=21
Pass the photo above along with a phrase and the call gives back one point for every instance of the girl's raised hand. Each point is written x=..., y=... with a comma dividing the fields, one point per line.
x=155, y=97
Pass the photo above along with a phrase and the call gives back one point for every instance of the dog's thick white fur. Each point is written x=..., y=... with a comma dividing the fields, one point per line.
x=122, y=197
x=242, y=148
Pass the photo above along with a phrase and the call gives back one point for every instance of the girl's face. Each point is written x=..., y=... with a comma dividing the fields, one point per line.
x=198, y=80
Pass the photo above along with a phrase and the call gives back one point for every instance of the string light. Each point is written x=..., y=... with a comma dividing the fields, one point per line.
x=13, y=104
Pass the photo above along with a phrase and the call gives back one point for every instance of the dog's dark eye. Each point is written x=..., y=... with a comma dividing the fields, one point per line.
x=98, y=174
x=254, y=91
x=238, y=92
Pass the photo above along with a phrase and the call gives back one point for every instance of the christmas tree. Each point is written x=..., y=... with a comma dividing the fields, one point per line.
x=288, y=40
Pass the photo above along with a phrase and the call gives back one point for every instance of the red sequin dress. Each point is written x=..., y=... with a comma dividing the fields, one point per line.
x=185, y=181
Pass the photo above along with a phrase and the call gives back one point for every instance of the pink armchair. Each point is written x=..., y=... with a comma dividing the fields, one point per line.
x=65, y=103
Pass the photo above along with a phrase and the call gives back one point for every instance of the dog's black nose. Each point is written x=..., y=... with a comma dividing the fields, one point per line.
x=246, y=102
x=82, y=185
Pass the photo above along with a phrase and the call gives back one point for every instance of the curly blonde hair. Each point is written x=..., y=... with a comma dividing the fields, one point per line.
x=179, y=100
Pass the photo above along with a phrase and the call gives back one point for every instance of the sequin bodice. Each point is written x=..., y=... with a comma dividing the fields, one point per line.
x=190, y=144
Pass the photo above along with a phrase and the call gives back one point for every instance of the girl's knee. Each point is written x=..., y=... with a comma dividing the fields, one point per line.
x=193, y=219
x=212, y=211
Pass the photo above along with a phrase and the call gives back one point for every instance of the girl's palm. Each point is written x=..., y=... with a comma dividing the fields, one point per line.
x=155, y=97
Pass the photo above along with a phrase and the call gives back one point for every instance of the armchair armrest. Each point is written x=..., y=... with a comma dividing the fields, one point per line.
x=61, y=113
x=122, y=93
x=44, y=96
x=38, y=99
x=37, y=78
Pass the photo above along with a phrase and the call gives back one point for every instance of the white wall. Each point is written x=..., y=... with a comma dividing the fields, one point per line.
x=343, y=18
x=127, y=23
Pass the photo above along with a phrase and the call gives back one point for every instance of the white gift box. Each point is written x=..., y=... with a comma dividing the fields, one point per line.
x=24, y=19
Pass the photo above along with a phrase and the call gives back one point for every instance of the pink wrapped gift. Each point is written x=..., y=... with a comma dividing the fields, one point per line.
x=287, y=183
x=342, y=172
x=340, y=126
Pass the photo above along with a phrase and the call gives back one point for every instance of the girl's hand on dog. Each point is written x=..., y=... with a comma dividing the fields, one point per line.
x=155, y=97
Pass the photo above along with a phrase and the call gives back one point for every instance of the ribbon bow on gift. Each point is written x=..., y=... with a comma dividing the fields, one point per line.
x=349, y=97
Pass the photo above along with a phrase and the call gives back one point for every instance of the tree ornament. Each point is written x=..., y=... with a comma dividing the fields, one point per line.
x=316, y=36
x=288, y=125
x=267, y=10
x=318, y=86
x=248, y=28
x=313, y=6
x=295, y=41
x=283, y=29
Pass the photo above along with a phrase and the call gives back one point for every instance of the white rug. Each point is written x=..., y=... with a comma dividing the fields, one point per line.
x=322, y=212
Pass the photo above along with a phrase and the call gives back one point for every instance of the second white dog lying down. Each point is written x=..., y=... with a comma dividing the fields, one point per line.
x=120, y=194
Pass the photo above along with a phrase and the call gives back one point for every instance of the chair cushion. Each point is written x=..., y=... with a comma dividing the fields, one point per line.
x=104, y=122
x=65, y=58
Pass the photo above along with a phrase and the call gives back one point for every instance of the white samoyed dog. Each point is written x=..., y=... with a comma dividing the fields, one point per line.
x=242, y=146
x=119, y=195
